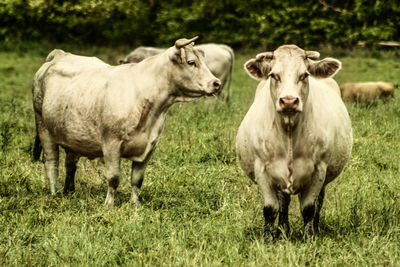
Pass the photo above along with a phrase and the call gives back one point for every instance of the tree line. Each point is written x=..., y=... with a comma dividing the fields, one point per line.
x=251, y=23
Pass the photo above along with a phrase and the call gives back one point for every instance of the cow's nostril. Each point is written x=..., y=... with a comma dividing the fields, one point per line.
x=296, y=101
x=217, y=84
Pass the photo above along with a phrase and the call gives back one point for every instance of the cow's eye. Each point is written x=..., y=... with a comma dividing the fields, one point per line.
x=274, y=76
x=304, y=76
x=192, y=63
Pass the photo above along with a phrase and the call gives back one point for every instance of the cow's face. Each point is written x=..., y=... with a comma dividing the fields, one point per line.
x=288, y=71
x=190, y=75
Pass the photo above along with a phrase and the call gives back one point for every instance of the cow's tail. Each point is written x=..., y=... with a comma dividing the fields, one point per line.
x=230, y=73
x=37, y=148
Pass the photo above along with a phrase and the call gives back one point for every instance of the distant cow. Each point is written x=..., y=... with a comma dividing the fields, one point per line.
x=218, y=57
x=296, y=136
x=367, y=91
x=95, y=110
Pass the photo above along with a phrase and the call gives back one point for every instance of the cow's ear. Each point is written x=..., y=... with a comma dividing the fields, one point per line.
x=201, y=51
x=257, y=69
x=175, y=55
x=325, y=68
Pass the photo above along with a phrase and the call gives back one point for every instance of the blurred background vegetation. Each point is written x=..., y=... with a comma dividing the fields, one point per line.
x=250, y=23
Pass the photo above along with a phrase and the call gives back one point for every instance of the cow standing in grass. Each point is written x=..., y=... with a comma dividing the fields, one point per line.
x=94, y=110
x=296, y=137
x=219, y=58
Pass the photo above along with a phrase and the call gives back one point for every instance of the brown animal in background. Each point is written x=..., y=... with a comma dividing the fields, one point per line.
x=367, y=91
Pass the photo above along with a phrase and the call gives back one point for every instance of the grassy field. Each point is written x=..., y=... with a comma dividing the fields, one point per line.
x=198, y=206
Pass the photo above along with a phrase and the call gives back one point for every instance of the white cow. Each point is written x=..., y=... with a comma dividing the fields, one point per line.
x=94, y=110
x=296, y=136
x=218, y=57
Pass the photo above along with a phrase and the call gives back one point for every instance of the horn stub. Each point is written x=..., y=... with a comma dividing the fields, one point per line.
x=312, y=55
x=184, y=42
x=264, y=55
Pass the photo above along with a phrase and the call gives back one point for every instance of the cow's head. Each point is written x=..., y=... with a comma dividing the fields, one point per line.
x=288, y=70
x=189, y=73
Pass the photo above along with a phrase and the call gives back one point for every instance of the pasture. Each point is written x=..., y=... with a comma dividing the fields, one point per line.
x=199, y=209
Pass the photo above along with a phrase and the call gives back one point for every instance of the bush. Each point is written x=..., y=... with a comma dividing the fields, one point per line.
x=238, y=23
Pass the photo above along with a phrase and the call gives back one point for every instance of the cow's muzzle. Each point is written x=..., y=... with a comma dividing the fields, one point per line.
x=289, y=104
x=215, y=86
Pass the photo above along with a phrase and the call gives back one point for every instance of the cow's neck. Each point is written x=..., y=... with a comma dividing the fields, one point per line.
x=154, y=72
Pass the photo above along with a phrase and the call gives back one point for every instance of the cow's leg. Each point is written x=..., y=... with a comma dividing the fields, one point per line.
x=71, y=160
x=309, y=201
x=284, y=201
x=137, y=176
x=51, y=159
x=113, y=173
x=320, y=201
x=270, y=201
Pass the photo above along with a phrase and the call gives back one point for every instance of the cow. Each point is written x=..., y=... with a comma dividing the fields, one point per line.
x=367, y=91
x=218, y=57
x=93, y=109
x=140, y=53
x=296, y=136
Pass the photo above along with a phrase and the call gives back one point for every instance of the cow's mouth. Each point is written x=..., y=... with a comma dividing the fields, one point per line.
x=193, y=94
x=289, y=112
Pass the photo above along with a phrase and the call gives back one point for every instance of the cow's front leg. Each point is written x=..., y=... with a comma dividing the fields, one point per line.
x=283, y=223
x=137, y=176
x=311, y=201
x=113, y=173
x=320, y=201
x=270, y=201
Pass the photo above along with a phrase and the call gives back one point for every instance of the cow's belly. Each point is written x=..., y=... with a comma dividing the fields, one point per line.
x=75, y=136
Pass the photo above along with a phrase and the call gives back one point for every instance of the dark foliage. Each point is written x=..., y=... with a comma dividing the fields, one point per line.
x=238, y=23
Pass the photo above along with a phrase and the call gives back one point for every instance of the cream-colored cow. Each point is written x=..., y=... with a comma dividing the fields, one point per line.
x=219, y=58
x=95, y=110
x=296, y=136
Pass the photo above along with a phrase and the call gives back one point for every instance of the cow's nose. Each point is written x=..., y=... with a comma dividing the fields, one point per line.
x=289, y=103
x=216, y=84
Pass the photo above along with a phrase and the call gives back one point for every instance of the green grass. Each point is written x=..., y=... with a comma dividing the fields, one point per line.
x=198, y=206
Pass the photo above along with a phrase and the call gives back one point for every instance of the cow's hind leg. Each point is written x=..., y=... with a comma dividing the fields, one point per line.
x=283, y=223
x=71, y=160
x=113, y=173
x=51, y=158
